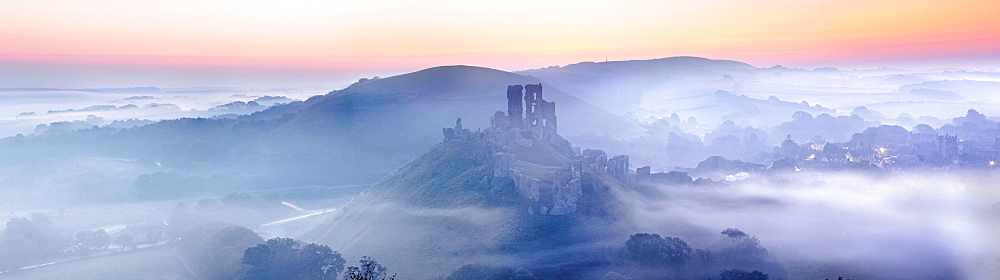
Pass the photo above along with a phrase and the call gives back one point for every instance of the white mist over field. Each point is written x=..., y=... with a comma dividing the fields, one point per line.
x=935, y=225
x=720, y=90
x=835, y=172
x=22, y=110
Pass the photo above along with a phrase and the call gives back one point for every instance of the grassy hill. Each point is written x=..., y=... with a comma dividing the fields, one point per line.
x=354, y=135
x=445, y=209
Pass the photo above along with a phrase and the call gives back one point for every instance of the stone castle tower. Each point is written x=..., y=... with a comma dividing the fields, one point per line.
x=515, y=108
x=539, y=115
x=531, y=120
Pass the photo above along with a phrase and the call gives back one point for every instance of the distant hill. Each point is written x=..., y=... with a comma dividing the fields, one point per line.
x=621, y=86
x=677, y=63
x=373, y=126
x=353, y=135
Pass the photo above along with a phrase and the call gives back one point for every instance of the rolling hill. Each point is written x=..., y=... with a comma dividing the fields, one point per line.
x=353, y=135
x=445, y=209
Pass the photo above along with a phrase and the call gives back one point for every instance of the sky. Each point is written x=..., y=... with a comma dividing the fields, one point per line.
x=116, y=43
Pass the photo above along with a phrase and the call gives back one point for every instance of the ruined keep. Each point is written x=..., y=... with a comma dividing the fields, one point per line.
x=526, y=147
x=515, y=109
x=539, y=114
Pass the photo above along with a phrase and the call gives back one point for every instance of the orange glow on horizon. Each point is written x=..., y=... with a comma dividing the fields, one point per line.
x=508, y=35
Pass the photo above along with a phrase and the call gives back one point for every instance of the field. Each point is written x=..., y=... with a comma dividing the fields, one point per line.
x=154, y=263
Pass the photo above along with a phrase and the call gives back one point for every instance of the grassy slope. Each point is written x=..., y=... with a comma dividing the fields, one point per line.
x=440, y=211
x=428, y=217
x=153, y=264
x=452, y=174
x=354, y=135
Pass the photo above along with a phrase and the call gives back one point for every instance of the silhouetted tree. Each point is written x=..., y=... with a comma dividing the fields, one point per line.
x=49, y=240
x=286, y=258
x=744, y=252
x=88, y=242
x=222, y=252
x=368, y=270
x=650, y=248
x=734, y=233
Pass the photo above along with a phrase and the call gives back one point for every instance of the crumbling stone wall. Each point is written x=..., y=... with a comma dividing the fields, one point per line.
x=515, y=108
x=456, y=132
x=556, y=193
x=529, y=116
x=618, y=168
x=503, y=165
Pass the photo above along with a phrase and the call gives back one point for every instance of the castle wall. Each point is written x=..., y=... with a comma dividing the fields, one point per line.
x=503, y=164
x=556, y=193
x=528, y=114
x=618, y=168
x=515, y=109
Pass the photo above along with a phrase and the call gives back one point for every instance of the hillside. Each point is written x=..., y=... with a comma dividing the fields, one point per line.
x=624, y=86
x=446, y=209
x=353, y=135
x=356, y=132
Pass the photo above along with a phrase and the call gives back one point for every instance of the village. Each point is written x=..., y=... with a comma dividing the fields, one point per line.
x=554, y=181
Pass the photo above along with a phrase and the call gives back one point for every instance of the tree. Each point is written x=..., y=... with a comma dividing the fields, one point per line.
x=286, y=258
x=321, y=257
x=644, y=247
x=650, y=248
x=734, y=233
x=650, y=256
x=789, y=149
x=802, y=116
x=39, y=228
x=368, y=270
x=126, y=240
x=222, y=252
x=675, y=250
x=88, y=242
x=20, y=227
x=19, y=251
x=736, y=274
x=744, y=251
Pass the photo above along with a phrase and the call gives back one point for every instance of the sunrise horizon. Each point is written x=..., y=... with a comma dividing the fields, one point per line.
x=190, y=42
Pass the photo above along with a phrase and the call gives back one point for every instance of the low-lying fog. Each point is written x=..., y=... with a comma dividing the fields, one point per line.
x=937, y=225
x=22, y=110
x=919, y=224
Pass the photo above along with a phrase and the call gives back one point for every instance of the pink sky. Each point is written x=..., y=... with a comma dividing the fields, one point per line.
x=333, y=42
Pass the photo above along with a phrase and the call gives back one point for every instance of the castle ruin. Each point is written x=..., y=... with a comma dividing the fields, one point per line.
x=529, y=124
x=534, y=114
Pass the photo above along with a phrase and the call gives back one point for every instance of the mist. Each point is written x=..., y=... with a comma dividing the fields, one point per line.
x=906, y=225
x=30, y=111
x=865, y=174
